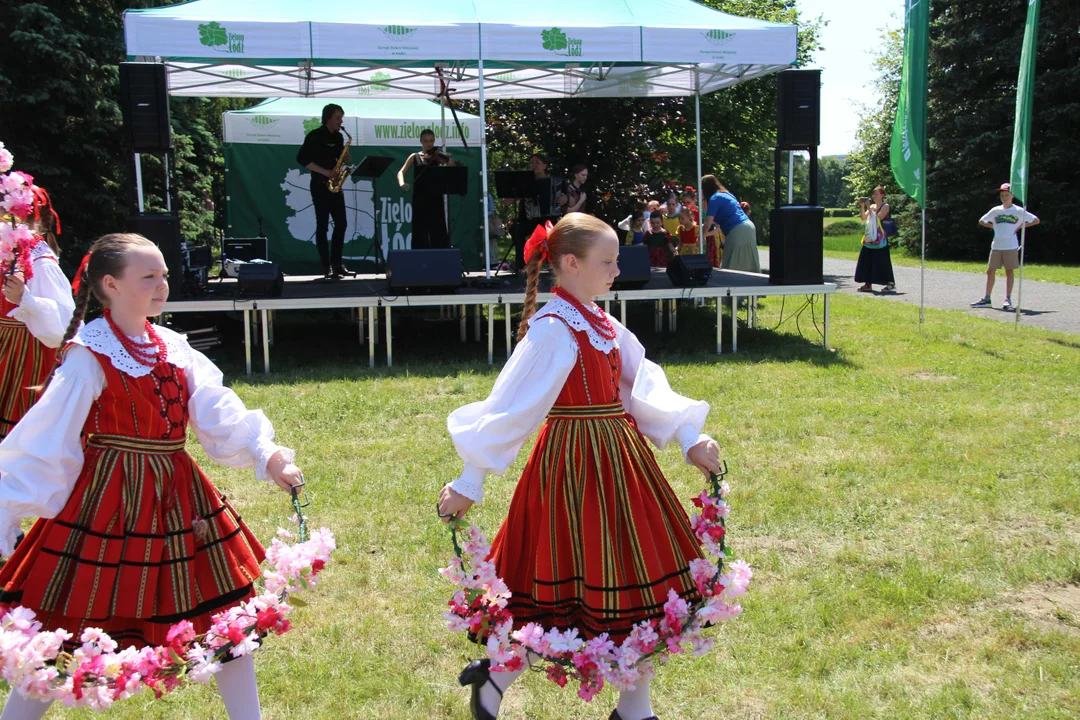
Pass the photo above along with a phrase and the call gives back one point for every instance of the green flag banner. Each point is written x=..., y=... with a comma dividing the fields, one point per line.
x=907, y=153
x=1025, y=92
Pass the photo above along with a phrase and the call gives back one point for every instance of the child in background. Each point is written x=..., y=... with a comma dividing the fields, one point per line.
x=1006, y=220
x=658, y=239
x=688, y=233
x=670, y=213
x=635, y=233
x=689, y=199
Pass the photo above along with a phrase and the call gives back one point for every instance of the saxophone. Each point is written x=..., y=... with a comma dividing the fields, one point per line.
x=341, y=170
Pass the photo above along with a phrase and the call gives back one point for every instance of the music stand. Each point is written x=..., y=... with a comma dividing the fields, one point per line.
x=515, y=184
x=442, y=180
x=372, y=167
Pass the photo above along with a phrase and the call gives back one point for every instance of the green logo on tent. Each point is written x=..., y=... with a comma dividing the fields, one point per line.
x=311, y=124
x=263, y=121
x=634, y=84
x=379, y=82
x=718, y=37
x=234, y=73
x=556, y=41
x=397, y=32
x=216, y=37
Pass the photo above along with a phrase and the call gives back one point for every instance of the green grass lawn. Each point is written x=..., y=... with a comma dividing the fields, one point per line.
x=909, y=502
x=847, y=247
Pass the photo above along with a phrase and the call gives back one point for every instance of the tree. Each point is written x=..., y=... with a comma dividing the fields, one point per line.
x=832, y=184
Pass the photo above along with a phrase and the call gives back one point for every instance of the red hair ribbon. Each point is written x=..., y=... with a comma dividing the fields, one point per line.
x=42, y=199
x=690, y=188
x=537, y=242
x=76, y=283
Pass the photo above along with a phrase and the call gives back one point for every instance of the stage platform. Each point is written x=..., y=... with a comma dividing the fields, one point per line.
x=371, y=292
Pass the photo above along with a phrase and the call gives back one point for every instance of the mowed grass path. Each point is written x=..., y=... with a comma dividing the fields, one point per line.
x=846, y=247
x=909, y=502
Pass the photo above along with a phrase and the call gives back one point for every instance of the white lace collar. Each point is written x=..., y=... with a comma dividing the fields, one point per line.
x=99, y=337
x=570, y=314
x=40, y=250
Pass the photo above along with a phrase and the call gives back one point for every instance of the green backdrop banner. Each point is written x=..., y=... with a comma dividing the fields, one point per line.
x=265, y=185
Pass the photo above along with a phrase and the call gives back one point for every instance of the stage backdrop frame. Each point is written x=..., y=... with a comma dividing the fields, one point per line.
x=266, y=189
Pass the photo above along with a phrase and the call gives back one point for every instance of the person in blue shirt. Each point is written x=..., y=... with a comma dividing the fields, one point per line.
x=724, y=216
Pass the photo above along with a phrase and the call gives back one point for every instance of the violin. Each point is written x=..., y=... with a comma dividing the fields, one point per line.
x=435, y=157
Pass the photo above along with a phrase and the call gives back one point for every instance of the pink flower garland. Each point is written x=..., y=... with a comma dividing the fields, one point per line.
x=17, y=202
x=95, y=675
x=479, y=608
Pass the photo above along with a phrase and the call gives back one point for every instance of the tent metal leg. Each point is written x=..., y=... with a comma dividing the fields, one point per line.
x=389, y=341
x=265, y=341
x=247, y=340
x=509, y=347
x=371, y=330
x=719, y=324
x=491, y=334
x=825, y=339
x=734, y=324
x=622, y=311
x=476, y=321
x=464, y=317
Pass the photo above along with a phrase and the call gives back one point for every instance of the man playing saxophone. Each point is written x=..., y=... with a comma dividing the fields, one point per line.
x=322, y=149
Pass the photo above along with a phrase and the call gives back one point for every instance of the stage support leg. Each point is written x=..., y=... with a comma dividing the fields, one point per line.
x=477, y=309
x=389, y=341
x=247, y=340
x=719, y=324
x=360, y=323
x=464, y=317
x=375, y=328
x=622, y=312
x=607, y=307
x=734, y=324
x=491, y=334
x=753, y=312
x=658, y=316
x=371, y=314
x=673, y=316
x=266, y=341
x=825, y=339
x=509, y=346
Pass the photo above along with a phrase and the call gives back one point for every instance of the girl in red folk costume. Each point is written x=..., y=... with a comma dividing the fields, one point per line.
x=595, y=537
x=35, y=309
x=132, y=536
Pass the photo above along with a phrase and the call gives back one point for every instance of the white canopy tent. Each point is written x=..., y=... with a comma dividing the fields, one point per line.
x=479, y=49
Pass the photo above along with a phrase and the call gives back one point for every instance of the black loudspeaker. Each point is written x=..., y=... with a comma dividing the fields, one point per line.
x=246, y=249
x=689, y=270
x=795, y=245
x=424, y=270
x=260, y=280
x=634, y=271
x=163, y=231
x=798, y=109
x=144, y=101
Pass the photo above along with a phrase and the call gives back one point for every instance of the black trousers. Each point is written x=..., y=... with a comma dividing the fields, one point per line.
x=328, y=205
x=429, y=222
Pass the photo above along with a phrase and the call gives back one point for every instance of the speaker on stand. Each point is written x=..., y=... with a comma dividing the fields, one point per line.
x=796, y=245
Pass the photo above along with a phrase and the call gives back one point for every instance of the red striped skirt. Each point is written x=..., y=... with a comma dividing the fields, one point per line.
x=595, y=536
x=25, y=362
x=124, y=554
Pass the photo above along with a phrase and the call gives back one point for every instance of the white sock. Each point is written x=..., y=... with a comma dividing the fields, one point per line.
x=489, y=697
x=636, y=704
x=236, y=683
x=19, y=708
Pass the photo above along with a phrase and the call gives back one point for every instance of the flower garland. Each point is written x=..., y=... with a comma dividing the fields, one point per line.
x=17, y=203
x=95, y=675
x=479, y=608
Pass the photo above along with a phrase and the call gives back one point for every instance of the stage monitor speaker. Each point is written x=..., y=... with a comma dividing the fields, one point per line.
x=163, y=231
x=246, y=249
x=795, y=245
x=798, y=109
x=144, y=102
x=634, y=270
x=260, y=280
x=423, y=270
x=690, y=270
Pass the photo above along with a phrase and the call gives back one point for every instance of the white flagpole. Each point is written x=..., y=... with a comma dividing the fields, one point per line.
x=1023, y=243
x=922, y=261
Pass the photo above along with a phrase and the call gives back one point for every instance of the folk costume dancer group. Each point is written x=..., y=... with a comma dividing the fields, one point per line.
x=131, y=536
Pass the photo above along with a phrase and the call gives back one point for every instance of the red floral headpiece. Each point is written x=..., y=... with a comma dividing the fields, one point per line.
x=77, y=281
x=537, y=242
x=42, y=199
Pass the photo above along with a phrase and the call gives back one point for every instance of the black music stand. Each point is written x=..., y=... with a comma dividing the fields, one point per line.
x=372, y=167
x=515, y=184
x=441, y=180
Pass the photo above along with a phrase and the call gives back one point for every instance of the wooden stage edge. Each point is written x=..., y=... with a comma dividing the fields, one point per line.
x=370, y=292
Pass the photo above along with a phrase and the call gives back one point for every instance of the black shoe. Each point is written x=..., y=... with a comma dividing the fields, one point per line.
x=478, y=674
x=342, y=272
x=332, y=276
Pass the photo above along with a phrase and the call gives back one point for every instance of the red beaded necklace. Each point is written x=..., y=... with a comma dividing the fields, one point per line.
x=599, y=323
x=148, y=353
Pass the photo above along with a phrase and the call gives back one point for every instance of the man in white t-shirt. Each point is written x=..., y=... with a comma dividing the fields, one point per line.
x=1006, y=220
